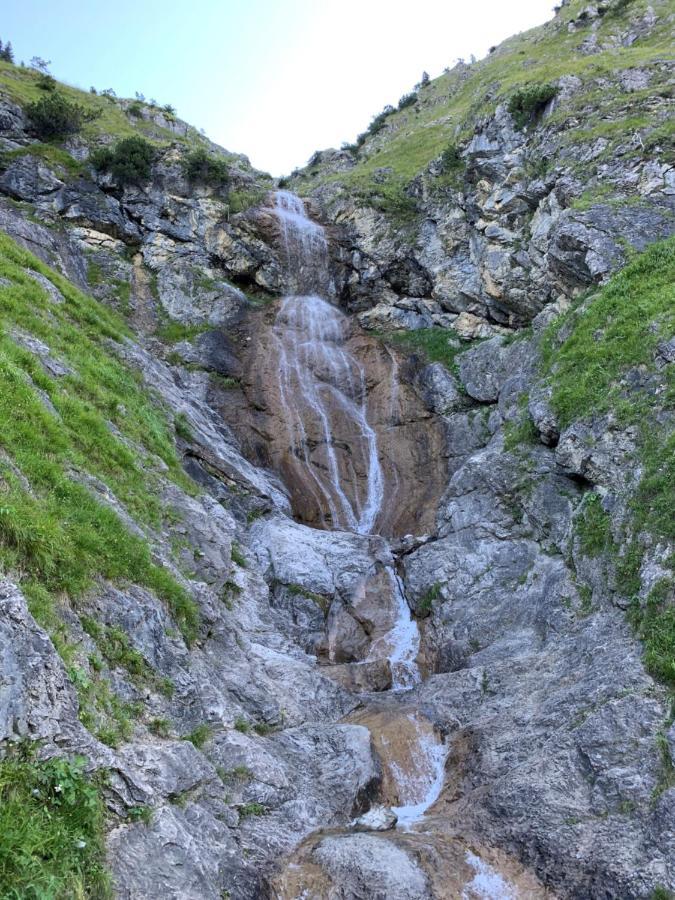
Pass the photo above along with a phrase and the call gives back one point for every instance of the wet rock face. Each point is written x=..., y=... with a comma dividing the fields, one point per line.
x=428, y=866
x=409, y=440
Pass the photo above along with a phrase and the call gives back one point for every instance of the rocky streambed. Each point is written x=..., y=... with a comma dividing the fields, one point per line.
x=330, y=446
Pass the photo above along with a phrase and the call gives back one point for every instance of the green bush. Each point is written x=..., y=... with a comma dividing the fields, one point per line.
x=407, y=100
x=129, y=161
x=528, y=103
x=451, y=159
x=54, y=116
x=46, y=82
x=204, y=168
x=135, y=110
x=51, y=830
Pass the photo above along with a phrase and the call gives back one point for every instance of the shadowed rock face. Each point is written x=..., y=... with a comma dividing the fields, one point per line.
x=408, y=439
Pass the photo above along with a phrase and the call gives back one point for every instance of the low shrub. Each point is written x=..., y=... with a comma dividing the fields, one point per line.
x=54, y=116
x=129, y=161
x=204, y=168
x=407, y=100
x=46, y=82
x=528, y=103
x=451, y=159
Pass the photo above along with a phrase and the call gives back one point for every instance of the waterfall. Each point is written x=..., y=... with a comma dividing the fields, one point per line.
x=321, y=383
x=322, y=391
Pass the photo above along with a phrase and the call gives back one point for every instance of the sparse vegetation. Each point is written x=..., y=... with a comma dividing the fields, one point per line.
x=521, y=431
x=425, y=603
x=252, y=809
x=609, y=334
x=237, y=556
x=115, y=647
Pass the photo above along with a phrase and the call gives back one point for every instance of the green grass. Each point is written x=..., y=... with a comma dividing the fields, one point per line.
x=592, y=527
x=51, y=831
x=618, y=329
x=587, y=356
x=243, y=199
x=433, y=344
x=655, y=624
x=54, y=533
x=54, y=156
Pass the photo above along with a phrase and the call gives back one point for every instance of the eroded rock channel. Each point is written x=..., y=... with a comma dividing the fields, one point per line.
x=359, y=453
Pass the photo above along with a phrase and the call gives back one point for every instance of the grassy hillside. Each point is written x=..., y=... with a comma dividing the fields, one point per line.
x=71, y=412
x=449, y=107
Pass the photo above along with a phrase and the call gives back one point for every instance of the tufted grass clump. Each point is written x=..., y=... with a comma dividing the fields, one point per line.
x=655, y=624
x=252, y=809
x=199, y=735
x=94, y=422
x=51, y=829
x=592, y=527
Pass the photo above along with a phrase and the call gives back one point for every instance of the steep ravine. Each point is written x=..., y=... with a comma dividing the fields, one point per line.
x=324, y=403
x=242, y=439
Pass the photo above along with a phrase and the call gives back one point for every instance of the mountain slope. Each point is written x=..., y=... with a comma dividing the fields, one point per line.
x=506, y=238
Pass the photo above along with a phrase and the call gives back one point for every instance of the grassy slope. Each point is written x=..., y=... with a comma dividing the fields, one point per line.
x=450, y=106
x=96, y=421
x=607, y=337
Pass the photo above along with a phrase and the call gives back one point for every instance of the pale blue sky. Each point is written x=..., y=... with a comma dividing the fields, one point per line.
x=274, y=80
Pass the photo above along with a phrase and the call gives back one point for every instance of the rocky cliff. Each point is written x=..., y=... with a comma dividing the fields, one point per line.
x=196, y=680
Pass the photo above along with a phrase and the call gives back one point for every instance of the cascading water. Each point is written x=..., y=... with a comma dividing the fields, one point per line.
x=323, y=393
x=321, y=384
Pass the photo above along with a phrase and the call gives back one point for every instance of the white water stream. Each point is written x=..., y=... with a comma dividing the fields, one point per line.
x=322, y=385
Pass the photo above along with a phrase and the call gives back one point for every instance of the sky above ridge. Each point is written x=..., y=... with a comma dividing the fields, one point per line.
x=274, y=79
